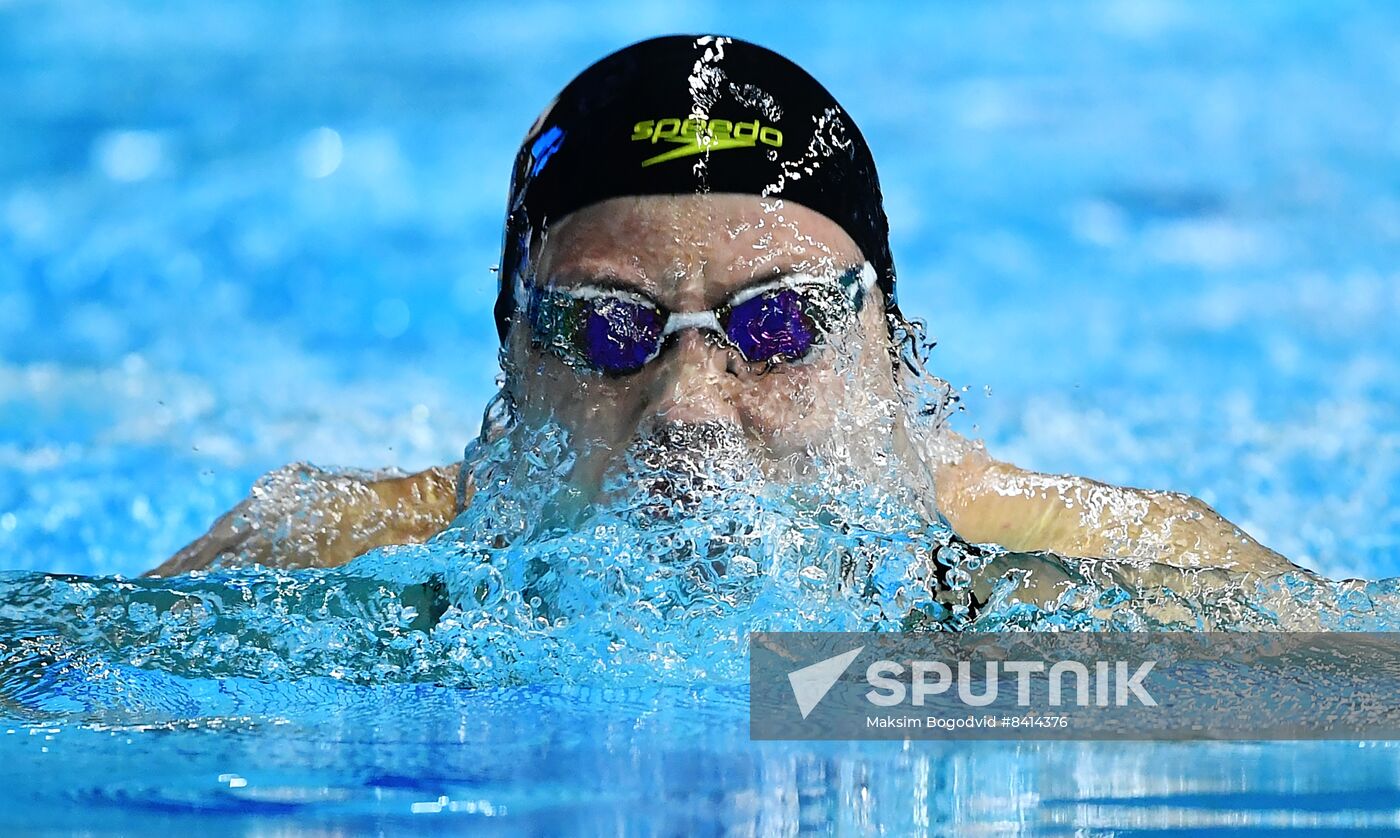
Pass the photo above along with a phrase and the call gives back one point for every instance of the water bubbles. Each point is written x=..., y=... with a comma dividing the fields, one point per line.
x=320, y=153
x=392, y=318
x=1112, y=598
x=485, y=585
x=28, y=215
x=128, y=156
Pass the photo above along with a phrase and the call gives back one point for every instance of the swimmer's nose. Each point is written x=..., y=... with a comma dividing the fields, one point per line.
x=693, y=382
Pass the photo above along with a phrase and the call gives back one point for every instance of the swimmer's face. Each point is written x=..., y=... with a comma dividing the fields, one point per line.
x=691, y=253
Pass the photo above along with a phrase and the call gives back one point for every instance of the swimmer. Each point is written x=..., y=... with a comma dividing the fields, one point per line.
x=696, y=249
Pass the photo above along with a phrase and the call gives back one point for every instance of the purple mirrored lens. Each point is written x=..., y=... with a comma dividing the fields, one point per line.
x=619, y=336
x=772, y=326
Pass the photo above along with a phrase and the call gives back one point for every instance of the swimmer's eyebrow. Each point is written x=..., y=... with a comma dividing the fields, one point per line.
x=607, y=280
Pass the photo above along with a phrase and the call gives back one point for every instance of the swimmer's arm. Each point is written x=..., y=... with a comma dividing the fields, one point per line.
x=302, y=516
x=989, y=501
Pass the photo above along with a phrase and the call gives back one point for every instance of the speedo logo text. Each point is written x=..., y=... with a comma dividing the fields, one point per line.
x=695, y=136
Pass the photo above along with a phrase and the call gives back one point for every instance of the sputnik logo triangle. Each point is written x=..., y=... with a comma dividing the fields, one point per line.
x=810, y=684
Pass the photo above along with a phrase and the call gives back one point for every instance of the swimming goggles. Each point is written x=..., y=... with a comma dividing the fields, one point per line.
x=617, y=331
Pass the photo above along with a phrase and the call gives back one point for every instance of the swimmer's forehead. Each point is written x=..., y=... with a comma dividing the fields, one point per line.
x=703, y=245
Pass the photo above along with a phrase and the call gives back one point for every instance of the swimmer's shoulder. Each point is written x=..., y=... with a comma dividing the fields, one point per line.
x=439, y=490
x=303, y=516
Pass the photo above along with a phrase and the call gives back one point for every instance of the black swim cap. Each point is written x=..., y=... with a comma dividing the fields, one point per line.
x=689, y=114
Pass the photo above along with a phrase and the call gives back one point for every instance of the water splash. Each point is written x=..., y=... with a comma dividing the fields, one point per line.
x=660, y=586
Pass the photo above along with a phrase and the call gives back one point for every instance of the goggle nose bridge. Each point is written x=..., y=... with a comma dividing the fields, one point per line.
x=703, y=320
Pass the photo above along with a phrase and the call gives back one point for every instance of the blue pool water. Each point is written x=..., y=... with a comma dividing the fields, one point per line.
x=1156, y=243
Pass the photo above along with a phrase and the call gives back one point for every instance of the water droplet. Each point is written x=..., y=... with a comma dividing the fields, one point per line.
x=321, y=153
